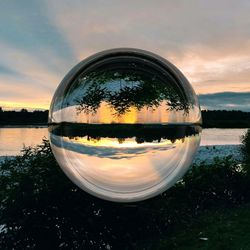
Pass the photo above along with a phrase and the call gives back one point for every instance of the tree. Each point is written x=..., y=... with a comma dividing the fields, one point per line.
x=245, y=139
x=123, y=89
x=24, y=110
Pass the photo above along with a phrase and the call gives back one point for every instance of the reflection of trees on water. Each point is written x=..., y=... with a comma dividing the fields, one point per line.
x=141, y=133
x=121, y=140
x=137, y=86
x=138, y=140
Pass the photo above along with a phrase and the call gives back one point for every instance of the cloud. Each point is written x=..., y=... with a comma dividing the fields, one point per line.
x=41, y=41
x=161, y=27
x=226, y=101
x=26, y=26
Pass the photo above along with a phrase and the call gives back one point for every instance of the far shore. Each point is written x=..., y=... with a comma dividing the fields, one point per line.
x=25, y=126
x=210, y=118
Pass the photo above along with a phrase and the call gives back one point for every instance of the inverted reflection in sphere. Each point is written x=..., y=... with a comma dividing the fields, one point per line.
x=124, y=125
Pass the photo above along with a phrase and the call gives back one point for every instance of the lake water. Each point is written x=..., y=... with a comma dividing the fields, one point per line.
x=12, y=140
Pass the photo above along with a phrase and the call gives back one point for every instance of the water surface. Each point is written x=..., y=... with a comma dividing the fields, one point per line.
x=12, y=140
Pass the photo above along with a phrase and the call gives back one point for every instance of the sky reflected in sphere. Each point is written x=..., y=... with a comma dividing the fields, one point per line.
x=124, y=125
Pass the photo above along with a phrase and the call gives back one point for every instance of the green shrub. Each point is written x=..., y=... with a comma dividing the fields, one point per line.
x=41, y=209
x=245, y=139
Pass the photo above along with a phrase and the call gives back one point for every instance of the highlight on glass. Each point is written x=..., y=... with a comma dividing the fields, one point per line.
x=124, y=125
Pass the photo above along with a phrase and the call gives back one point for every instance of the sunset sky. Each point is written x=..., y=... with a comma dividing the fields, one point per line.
x=209, y=41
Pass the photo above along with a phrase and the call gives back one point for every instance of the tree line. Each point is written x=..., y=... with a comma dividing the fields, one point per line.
x=225, y=119
x=23, y=117
x=211, y=118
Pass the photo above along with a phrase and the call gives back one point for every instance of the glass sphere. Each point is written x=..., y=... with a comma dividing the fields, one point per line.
x=124, y=125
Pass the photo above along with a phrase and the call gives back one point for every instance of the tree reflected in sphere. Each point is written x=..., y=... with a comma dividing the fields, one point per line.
x=124, y=125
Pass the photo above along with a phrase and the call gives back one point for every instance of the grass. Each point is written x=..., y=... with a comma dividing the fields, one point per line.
x=214, y=230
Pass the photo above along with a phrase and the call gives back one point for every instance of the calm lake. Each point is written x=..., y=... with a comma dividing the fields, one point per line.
x=12, y=140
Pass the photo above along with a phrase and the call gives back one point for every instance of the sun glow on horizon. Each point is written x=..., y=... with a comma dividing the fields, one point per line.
x=21, y=105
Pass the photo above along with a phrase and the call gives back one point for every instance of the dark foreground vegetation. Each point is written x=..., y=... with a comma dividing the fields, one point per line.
x=211, y=118
x=41, y=209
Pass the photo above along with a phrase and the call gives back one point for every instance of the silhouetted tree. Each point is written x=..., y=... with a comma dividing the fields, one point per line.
x=124, y=89
x=23, y=117
x=24, y=110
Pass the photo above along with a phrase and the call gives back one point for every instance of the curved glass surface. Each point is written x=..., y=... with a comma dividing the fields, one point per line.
x=124, y=125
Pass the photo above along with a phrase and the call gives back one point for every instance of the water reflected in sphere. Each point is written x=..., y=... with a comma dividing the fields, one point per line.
x=124, y=125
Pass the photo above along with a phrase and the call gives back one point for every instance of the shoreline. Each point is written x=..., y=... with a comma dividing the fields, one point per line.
x=208, y=152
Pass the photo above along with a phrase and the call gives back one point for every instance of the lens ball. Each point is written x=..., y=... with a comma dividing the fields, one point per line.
x=124, y=125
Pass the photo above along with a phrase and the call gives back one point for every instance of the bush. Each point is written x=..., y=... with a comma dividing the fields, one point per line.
x=245, y=139
x=41, y=209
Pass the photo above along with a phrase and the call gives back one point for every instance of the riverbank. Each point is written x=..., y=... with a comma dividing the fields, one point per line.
x=193, y=214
